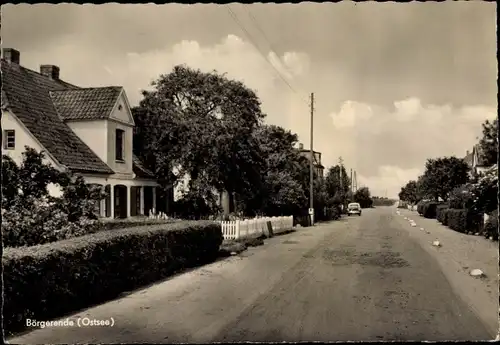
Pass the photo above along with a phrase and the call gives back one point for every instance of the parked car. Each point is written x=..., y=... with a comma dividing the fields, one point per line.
x=354, y=208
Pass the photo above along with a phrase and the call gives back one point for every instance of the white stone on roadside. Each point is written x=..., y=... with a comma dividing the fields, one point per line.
x=491, y=238
x=436, y=244
x=413, y=224
x=234, y=253
x=422, y=229
x=427, y=231
x=476, y=272
x=477, y=234
x=406, y=218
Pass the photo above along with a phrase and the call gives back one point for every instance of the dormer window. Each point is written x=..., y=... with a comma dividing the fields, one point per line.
x=119, y=149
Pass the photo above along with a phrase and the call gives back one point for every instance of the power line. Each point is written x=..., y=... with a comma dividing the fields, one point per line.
x=259, y=27
x=250, y=38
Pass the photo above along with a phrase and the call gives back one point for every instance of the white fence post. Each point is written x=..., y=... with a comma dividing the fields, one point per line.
x=237, y=230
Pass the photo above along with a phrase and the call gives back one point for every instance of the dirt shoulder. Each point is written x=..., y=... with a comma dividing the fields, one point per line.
x=457, y=256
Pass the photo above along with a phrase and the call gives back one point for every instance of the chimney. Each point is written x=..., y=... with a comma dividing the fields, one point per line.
x=301, y=146
x=11, y=55
x=50, y=71
x=467, y=153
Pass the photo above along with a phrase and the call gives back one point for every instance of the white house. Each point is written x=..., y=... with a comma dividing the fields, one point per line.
x=88, y=131
x=475, y=161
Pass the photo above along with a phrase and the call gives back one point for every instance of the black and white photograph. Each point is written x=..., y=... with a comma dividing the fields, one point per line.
x=249, y=172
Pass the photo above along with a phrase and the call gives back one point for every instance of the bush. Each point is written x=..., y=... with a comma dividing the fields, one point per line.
x=491, y=227
x=30, y=222
x=420, y=207
x=441, y=213
x=333, y=213
x=462, y=197
x=47, y=281
x=31, y=216
x=429, y=210
x=457, y=219
x=444, y=216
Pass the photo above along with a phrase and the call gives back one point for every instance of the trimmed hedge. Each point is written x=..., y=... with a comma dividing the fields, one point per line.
x=420, y=207
x=457, y=219
x=464, y=220
x=441, y=212
x=133, y=223
x=429, y=210
x=47, y=281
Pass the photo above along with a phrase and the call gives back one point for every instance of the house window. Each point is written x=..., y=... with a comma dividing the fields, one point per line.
x=119, y=144
x=9, y=139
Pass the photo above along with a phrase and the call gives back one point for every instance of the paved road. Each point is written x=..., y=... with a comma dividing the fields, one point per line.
x=362, y=278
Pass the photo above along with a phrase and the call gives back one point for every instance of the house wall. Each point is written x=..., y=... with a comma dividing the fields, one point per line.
x=121, y=111
x=120, y=118
x=25, y=138
x=94, y=134
x=120, y=167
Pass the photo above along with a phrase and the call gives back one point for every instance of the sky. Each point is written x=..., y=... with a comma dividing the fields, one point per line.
x=394, y=83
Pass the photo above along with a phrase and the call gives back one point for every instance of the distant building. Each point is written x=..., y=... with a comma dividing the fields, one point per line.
x=319, y=168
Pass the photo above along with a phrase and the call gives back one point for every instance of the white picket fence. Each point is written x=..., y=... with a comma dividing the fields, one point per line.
x=233, y=230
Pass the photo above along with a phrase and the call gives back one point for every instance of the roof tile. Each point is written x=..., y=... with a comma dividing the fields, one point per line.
x=140, y=170
x=85, y=104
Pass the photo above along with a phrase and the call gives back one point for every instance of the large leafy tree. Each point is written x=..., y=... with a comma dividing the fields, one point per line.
x=202, y=125
x=337, y=192
x=282, y=175
x=489, y=142
x=442, y=175
x=363, y=197
x=409, y=192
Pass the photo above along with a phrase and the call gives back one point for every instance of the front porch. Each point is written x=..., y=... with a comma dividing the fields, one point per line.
x=127, y=200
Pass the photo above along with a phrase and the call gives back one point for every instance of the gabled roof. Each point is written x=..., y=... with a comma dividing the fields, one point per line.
x=27, y=95
x=86, y=103
x=43, y=104
x=140, y=170
x=480, y=161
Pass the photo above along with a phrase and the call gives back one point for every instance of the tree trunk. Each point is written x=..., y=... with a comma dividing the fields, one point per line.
x=225, y=202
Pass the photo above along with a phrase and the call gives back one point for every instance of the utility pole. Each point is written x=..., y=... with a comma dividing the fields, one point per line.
x=342, y=196
x=311, y=165
x=341, y=164
x=352, y=185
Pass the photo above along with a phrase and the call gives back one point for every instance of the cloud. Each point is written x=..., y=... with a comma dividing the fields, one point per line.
x=388, y=146
x=232, y=55
x=407, y=108
x=351, y=113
